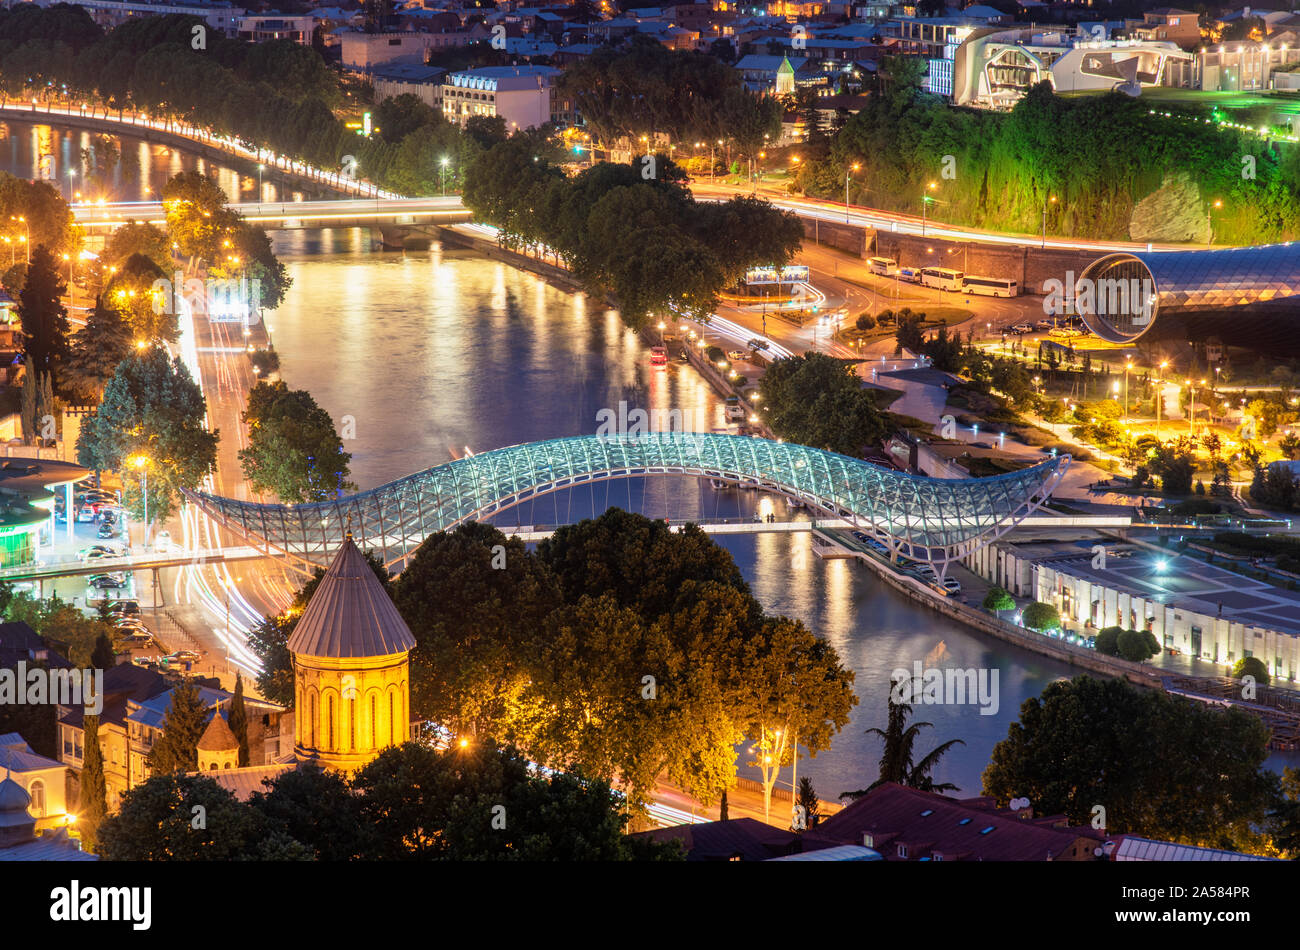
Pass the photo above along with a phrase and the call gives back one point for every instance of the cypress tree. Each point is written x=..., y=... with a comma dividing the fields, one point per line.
x=238, y=720
x=103, y=657
x=177, y=750
x=94, y=793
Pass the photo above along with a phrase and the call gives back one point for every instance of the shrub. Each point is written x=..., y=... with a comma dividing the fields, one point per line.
x=1137, y=645
x=1251, y=666
x=1040, y=616
x=998, y=599
x=1108, y=640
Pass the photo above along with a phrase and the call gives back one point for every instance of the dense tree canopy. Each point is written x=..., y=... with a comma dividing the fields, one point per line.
x=817, y=400
x=293, y=449
x=1159, y=765
x=152, y=409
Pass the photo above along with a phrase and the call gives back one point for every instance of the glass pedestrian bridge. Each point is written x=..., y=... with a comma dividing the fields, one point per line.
x=927, y=519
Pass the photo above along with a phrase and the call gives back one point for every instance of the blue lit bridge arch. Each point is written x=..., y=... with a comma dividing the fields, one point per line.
x=928, y=519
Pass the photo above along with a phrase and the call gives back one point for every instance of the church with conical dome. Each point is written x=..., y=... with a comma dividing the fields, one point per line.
x=351, y=662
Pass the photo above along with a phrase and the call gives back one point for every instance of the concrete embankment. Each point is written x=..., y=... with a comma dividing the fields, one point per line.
x=984, y=622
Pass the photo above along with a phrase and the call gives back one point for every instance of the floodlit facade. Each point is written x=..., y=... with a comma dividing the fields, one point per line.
x=930, y=519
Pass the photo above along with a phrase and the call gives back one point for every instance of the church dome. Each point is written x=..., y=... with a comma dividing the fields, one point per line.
x=218, y=737
x=350, y=614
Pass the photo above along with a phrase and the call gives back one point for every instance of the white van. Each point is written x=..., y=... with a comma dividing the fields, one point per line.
x=910, y=274
x=884, y=266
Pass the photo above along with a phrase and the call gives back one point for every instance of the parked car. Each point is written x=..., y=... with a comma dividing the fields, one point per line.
x=183, y=656
x=126, y=608
x=108, y=581
x=1043, y=325
x=107, y=530
x=735, y=355
x=162, y=541
x=85, y=514
x=952, y=586
x=1021, y=328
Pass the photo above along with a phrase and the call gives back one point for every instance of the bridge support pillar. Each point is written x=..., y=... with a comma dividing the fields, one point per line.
x=391, y=238
x=157, y=593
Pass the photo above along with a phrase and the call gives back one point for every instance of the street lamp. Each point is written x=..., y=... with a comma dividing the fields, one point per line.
x=1160, y=394
x=925, y=201
x=1128, y=365
x=1209, y=220
x=259, y=181
x=1046, y=201
x=140, y=462
x=847, y=174
x=443, y=162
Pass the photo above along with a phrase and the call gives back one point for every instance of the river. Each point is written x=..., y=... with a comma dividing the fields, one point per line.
x=423, y=356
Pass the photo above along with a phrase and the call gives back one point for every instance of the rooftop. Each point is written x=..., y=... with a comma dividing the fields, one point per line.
x=350, y=614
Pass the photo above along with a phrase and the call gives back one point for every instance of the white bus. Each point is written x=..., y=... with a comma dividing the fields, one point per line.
x=941, y=278
x=884, y=266
x=991, y=286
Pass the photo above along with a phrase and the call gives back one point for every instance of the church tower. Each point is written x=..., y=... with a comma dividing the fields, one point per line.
x=218, y=747
x=351, y=663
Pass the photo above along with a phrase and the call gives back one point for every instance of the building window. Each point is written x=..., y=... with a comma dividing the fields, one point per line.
x=902, y=850
x=37, y=791
x=330, y=713
x=392, y=721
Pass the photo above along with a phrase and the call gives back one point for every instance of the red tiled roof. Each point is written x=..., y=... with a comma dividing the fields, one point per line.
x=932, y=826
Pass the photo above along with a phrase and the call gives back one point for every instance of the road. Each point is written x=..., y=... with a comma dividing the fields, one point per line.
x=913, y=224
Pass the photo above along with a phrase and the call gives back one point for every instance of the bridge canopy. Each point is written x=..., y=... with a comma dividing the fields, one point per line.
x=928, y=519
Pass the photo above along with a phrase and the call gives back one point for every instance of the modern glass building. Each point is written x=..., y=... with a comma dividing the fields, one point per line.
x=1244, y=295
x=930, y=519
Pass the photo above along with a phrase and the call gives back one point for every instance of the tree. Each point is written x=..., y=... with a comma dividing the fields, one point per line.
x=1090, y=741
x=817, y=400
x=1251, y=666
x=238, y=720
x=96, y=353
x=174, y=817
x=487, y=804
x=197, y=219
x=317, y=807
x=177, y=749
x=149, y=311
x=643, y=563
x=152, y=408
x=865, y=321
x=103, y=657
x=293, y=449
x=809, y=803
x=1040, y=616
x=269, y=641
x=896, y=758
x=93, y=805
x=135, y=238
x=1107, y=642
x=1137, y=646
x=474, y=601
x=795, y=692
x=998, y=600
x=44, y=319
